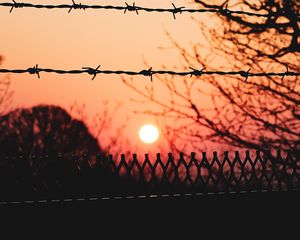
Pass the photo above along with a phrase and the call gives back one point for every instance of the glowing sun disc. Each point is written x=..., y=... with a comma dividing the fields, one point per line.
x=148, y=133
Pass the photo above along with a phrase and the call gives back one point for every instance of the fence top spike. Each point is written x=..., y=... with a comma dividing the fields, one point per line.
x=278, y=152
x=134, y=158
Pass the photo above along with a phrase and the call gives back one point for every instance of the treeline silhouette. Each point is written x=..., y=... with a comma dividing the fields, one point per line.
x=47, y=131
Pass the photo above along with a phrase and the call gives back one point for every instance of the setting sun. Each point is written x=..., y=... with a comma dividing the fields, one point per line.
x=148, y=133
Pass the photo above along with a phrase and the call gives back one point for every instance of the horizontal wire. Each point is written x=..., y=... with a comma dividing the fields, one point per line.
x=149, y=73
x=130, y=8
x=148, y=196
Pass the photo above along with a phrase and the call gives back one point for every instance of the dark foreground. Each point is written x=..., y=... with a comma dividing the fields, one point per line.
x=188, y=200
x=152, y=216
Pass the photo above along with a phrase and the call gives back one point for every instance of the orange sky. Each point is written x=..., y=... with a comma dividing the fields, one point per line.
x=56, y=39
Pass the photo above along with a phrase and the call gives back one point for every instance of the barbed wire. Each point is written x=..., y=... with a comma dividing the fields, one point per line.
x=223, y=10
x=149, y=72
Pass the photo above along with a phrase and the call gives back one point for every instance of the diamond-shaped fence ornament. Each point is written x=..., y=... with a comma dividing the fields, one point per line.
x=215, y=169
x=193, y=170
x=148, y=170
x=159, y=168
x=135, y=168
x=122, y=168
x=226, y=168
x=182, y=168
x=205, y=170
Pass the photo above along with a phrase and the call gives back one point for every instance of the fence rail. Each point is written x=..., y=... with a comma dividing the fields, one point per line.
x=29, y=177
x=131, y=8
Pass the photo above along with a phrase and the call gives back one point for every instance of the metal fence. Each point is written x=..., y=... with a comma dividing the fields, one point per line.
x=71, y=176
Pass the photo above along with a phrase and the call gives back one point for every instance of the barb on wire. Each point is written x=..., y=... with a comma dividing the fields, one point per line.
x=174, y=10
x=34, y=70
x=131, y=8
x=76, y=6
x=149, y=72
x=287, y=73
x=196, y=72
x=246, y=74
x=223, y=10
x=15, y=5
x=92, y=71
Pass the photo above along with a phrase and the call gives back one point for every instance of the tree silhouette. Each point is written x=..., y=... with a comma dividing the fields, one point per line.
x=45, y=130
x=259, y=113
x=44, y=148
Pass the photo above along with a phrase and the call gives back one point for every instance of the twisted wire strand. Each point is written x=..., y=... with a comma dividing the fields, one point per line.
x=149, y=72
x=130, y=8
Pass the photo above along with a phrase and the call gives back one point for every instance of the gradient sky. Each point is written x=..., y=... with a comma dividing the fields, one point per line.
x=56, y=39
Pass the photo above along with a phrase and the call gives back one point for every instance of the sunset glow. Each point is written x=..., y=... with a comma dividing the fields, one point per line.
x=148, y=133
